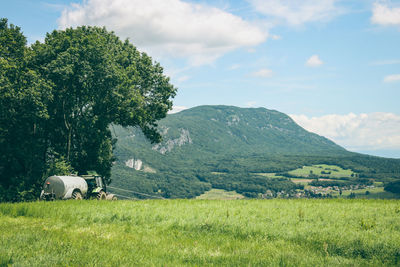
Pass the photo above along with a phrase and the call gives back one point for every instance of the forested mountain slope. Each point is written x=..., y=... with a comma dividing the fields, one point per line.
x=222, y=147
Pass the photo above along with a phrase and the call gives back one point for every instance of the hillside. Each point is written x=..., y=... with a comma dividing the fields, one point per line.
x=232, y=130
x=223, y=147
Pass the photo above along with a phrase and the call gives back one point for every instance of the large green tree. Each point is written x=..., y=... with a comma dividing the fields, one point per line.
x=87, y=80
x=23, y=110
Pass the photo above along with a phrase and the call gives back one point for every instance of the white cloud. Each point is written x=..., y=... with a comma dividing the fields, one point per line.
x=170, y=28
x=176, y=109
x=374, y=131
x=314, y=61
x=384, y=15
x=392, y=78
x=297, y=12
x=263, y=73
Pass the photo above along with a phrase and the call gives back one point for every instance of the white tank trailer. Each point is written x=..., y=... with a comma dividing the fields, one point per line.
x=73, y=187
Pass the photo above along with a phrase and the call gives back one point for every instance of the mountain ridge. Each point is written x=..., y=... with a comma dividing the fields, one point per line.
x=265, y=123
x=202, y=143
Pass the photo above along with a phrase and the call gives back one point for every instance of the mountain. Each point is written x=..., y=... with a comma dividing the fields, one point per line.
x=227, y=129
x=223, y=147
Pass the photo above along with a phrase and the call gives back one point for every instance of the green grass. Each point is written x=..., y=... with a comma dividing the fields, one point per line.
x=335, y=171
x=274, y=232
x=269, y=175
x=374, y=193
x=303, y=181
x=220, y=194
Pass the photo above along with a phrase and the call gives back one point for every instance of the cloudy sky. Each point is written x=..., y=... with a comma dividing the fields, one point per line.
x=333, y=65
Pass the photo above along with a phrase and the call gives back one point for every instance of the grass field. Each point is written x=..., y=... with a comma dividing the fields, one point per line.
x=374, y=193
x=220, y=194
x=269, y=175
x=333, y=170
x=302, y=181
x=201, y=232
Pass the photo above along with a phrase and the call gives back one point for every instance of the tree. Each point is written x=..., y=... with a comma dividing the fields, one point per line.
x=352, y=195
x=80, y=81
x=23, y=108
x=393, y=187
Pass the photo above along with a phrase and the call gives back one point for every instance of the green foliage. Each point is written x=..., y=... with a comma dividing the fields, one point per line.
x=12, y=42
x=201, y=233
x=341, y=183
x=23, y=109
x=58, y=166
x=5, y=260
x=59, y=97
x=250, y=185
x=393, y=187
x=352, y=195
x=98, y=80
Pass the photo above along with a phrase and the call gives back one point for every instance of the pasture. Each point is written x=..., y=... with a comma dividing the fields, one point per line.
x=322, y=170
x=220, y=194
x=278, y=232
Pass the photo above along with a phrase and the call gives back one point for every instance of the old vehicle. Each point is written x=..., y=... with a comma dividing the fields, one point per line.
x=75, y=187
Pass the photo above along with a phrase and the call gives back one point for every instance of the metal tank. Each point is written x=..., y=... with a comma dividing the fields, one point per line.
x=64, y=187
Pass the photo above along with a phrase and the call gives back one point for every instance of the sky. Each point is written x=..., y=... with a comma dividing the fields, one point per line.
x=332, y=65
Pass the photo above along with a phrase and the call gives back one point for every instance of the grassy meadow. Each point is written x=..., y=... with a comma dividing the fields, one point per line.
x=322, y=170
x=220, y=194
x=278, y=232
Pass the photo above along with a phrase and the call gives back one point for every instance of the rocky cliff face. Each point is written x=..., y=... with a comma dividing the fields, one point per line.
x=169, y=144
x=134, y=164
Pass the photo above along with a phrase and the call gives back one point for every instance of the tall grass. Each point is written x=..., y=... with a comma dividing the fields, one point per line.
x=201, y=232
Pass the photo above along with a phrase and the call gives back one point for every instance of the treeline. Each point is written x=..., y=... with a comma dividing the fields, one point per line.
x=58, y=98
x=190, y=184
x=342, y=183
x=250, y=185
x=393, y=187
x=167, y=185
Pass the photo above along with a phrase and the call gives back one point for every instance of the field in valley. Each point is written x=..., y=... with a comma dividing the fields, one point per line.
x=220, y=194
x=277, y=232
x=341, y=183
x=323, y=170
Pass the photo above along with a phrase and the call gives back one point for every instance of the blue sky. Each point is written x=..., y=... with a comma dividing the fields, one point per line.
x=333, y=65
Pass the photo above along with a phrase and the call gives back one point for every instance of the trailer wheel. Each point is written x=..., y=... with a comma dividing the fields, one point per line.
x=101, y=195
x=77, y=195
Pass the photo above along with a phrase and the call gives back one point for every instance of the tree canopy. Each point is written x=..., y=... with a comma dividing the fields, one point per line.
x=59, y=98
x=393, y=187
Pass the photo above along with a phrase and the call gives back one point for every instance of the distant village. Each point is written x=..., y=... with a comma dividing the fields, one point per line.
x=319, y=192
